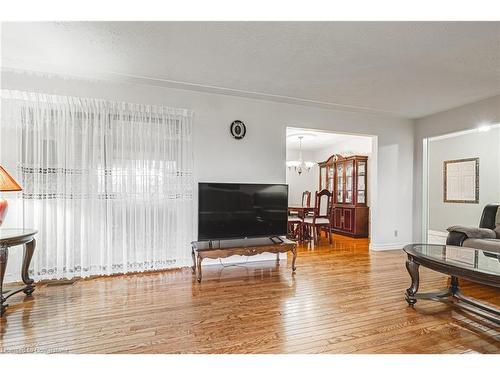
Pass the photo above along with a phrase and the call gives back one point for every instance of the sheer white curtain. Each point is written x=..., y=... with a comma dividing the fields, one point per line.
x=108, y=185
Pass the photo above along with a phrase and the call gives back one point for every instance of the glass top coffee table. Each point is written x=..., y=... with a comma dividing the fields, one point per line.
x=472, y=264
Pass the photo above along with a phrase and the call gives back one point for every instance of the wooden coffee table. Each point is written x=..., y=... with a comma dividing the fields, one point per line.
x=15, y=237
x=472, y=264
x=248, y=247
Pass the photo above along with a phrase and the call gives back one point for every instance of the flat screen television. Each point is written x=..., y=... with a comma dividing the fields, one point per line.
x=228, y=210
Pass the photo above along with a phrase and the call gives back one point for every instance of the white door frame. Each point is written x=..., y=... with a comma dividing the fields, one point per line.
x=425, y=190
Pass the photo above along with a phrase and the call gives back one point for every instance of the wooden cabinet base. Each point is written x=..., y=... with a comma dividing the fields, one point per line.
x=350, y=220
x=349, y=234
x=248, y=247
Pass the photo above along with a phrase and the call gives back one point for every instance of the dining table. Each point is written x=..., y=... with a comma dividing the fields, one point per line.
x=300, y=232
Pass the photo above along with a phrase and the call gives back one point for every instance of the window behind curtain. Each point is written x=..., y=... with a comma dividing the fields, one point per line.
x=109, y=185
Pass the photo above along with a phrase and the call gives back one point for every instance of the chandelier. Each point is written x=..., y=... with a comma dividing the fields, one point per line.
x=300, y=165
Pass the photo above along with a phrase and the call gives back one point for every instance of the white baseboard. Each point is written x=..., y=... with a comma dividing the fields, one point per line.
x=10, y=278
x=387, y=246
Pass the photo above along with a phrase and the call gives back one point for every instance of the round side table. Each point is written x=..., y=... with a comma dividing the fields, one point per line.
x=15, y=237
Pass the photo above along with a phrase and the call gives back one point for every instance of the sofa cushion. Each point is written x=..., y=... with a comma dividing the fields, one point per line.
x=319, y=220
x=492, y=245
x=473, y=232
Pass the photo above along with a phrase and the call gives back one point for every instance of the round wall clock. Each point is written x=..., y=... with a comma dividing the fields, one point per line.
x=238, y=129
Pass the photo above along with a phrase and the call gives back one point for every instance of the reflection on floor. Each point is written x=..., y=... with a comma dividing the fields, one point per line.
x=342, y=299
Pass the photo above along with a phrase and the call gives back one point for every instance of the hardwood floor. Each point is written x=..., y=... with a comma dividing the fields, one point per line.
x=342, y=299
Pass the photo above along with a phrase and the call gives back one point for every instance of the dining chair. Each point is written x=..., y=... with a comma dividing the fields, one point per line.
x=321, y=215
x=306, y=202
x=293, y=223
x=306, y=199
x=294, y=219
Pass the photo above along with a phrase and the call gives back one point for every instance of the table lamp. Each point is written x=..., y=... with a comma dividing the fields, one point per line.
x=7, y=183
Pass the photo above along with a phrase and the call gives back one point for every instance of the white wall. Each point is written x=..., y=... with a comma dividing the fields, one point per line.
x=355, y=146
x=462, y=118
x=297, y=184
x=485, y=146
x=261, y=156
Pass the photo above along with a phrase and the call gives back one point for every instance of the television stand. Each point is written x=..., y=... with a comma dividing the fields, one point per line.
x=244, y=247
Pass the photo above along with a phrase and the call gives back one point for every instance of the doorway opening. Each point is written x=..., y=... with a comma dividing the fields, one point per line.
x=460, y=176
x=342, y=164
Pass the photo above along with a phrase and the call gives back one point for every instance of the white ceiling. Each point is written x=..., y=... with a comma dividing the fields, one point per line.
x=314, y=140
x=409, y=69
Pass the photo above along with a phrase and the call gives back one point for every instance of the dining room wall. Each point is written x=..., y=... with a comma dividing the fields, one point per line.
x=306, y=181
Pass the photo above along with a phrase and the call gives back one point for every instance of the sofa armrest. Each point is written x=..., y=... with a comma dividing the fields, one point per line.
x=455, y=238
x=473, y=232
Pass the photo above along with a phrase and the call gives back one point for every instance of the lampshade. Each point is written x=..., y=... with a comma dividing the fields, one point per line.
x=7, y=183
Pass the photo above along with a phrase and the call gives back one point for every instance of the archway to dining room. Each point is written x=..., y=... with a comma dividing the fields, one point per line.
x=331, y=181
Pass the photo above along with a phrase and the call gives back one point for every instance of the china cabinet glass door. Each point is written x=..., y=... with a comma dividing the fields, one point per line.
x=340, y=183
x=349, y=168
x=322, y=177
x=331, y=174
x=361, y=182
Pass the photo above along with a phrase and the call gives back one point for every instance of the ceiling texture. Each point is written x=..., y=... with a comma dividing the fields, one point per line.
x=408, y=69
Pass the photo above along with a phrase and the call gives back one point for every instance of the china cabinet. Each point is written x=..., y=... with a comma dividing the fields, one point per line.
x=346, y=177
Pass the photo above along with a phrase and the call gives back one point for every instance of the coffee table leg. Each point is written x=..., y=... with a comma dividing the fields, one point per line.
x=199, y=267
x=412, y=268
x=294, y=252
x=29, y=249
x=454, y=285
x=4, y=254
x=194, y=260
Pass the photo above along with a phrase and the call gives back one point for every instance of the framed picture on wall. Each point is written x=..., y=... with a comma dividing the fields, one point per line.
x=461, y=181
